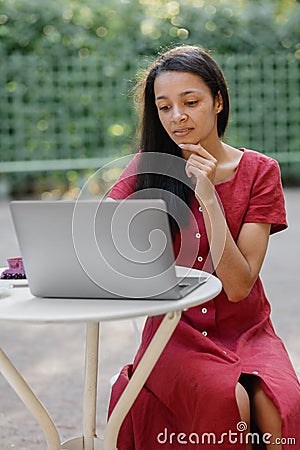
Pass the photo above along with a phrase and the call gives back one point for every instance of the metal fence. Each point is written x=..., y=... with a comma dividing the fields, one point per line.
x=265, y=97
x=58, y=114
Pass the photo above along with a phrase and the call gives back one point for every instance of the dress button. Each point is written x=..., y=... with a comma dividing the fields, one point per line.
x=198, y=235
x=204, y=333
x=204, y=310
x=255, y=372
x=200, y=259
x=200, y=209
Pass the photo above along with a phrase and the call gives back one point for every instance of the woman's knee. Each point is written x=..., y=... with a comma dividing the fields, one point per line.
x=243, y=402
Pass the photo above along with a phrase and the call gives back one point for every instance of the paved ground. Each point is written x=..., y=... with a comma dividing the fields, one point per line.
x=51, y=357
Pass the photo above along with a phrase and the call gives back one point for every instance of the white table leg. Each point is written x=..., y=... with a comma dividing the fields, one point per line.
x=30, y=400
x=139, y=378
x=90, y=385
x=89, y=440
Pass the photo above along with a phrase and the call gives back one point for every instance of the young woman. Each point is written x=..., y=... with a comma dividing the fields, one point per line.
x=224, y=363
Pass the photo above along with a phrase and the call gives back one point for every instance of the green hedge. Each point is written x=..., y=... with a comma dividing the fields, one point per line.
x=54, y=108
x=67, y=70
x=140, y=27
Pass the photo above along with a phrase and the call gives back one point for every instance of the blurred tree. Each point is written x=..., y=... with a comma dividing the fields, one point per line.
x=142, y=26
x=69, y=62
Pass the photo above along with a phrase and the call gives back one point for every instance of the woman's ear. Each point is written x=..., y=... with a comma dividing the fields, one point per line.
x=219, y=103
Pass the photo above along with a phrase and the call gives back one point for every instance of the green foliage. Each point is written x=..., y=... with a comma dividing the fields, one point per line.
x=67, y=65
x=140, y=27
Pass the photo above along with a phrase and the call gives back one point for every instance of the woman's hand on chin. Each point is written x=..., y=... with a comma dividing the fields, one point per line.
x=201, y=166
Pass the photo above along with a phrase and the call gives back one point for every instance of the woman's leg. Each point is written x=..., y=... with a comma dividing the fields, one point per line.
x=266, y=415
x=243, y=403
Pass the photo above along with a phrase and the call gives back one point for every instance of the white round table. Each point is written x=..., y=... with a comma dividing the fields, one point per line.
x=24, y=307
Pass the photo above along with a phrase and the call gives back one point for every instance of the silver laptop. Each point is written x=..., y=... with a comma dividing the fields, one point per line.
x=99, y=249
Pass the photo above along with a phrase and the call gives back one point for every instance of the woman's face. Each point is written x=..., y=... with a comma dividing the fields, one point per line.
x=186, y=108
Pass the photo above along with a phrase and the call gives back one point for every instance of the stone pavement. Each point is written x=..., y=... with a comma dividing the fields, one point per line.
x=51, y=357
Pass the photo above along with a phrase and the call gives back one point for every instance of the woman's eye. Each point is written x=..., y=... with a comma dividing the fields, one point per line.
x=192, y=102
x=164, y=108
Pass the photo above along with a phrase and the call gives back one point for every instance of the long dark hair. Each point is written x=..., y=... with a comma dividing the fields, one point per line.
x=154, y=138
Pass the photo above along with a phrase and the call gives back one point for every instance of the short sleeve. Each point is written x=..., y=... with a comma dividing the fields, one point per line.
x=125, y=185
x=267, y=204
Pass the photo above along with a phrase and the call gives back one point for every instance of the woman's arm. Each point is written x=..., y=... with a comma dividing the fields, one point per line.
x=237, y=264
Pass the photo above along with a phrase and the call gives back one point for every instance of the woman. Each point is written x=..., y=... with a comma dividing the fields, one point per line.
x=224, y=363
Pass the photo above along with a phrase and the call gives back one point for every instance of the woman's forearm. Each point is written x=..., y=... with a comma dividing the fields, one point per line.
x=230, y=265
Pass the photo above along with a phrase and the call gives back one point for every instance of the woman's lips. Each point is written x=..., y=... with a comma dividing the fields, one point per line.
x=182, y=131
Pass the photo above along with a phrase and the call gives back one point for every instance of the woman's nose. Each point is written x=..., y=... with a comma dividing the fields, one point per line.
x=179, y=115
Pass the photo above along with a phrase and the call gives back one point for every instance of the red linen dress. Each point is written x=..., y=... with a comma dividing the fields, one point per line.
x=189, y=399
